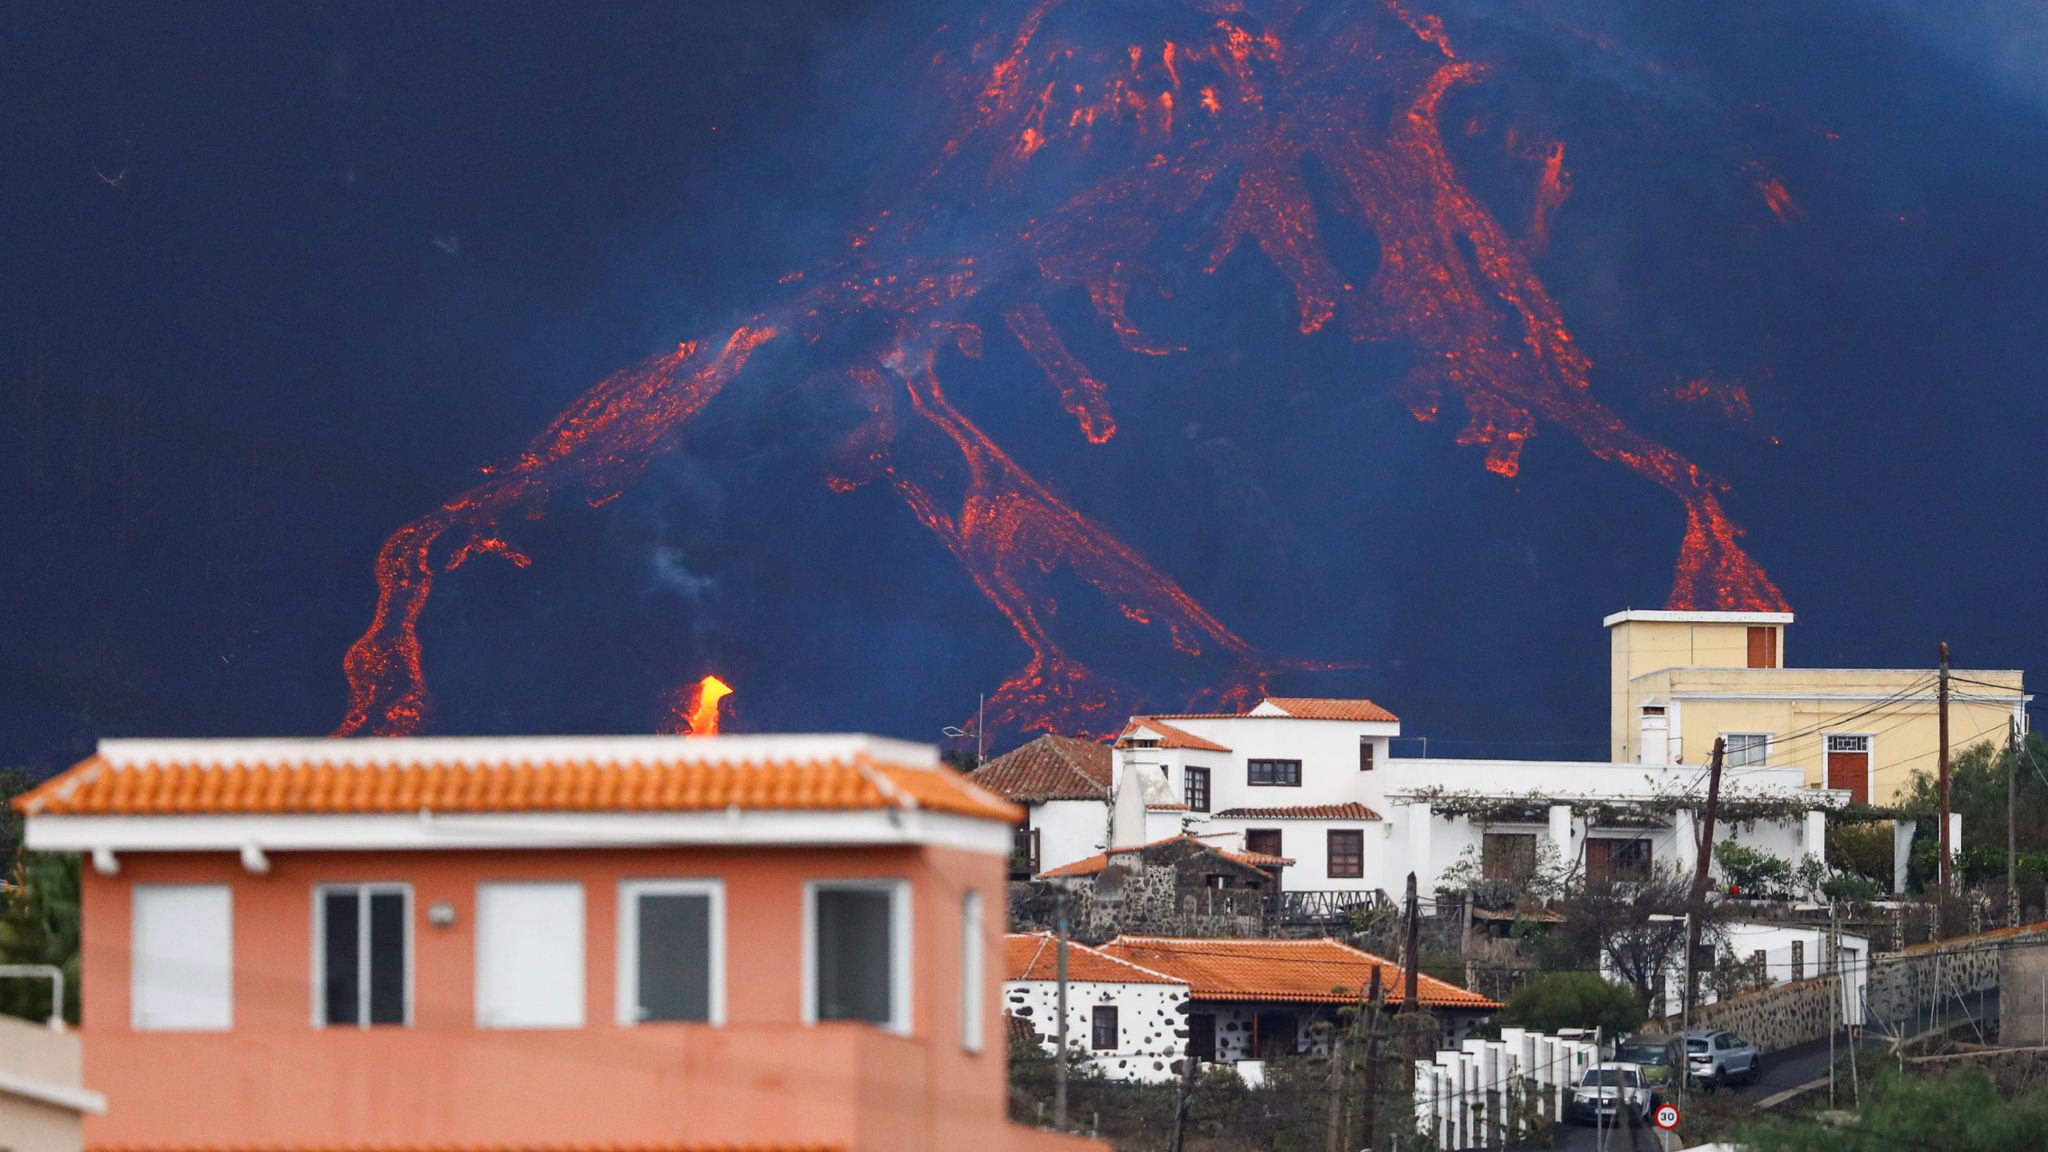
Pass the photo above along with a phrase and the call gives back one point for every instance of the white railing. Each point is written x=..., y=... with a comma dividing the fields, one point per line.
x=1489, y=1093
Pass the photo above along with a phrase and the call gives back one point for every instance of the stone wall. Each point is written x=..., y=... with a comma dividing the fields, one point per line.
x=1147, y=901
x=1772, y=1018
x=2023, y=997
x=1902, y=986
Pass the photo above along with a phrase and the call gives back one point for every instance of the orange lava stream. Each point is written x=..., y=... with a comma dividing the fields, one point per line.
x=1551, y=190
x=1080, y=392
x=696, y=708
x=1011, y=534
x=600, y=444
x=1048, y=108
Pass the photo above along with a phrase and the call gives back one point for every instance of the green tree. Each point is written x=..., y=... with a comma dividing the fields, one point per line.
x=1753, y=872
x=1977, y=786
x=40, y=926
x=1961, y=1112
x=13, y=782
x=1557, y=1000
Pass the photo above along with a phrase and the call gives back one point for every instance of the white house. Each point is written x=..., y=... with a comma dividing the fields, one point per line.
x=1784, y=953
x=1130, y=1020
x=1137, y=1003
x=1312, y=780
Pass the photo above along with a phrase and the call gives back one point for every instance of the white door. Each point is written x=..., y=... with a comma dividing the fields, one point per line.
x=529, y=955
x=183, y=957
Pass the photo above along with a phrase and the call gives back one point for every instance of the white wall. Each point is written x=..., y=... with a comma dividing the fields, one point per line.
x=1406, y=838
x=1775, y=941
x=1150, y=1019
x=1069, y=830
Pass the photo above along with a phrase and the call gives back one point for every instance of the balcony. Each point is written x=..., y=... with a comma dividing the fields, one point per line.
x=1322, y=908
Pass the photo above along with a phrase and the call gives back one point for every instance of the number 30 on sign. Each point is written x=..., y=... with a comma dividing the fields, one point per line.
x=1667, y=1116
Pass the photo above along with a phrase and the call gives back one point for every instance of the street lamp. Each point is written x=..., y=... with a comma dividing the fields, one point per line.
x=1685, y=1015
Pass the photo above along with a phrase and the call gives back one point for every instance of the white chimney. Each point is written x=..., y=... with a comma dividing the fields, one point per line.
x=1654, y=745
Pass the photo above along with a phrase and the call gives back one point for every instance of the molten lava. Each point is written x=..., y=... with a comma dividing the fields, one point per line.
x=696, y=709
x=1076, y=171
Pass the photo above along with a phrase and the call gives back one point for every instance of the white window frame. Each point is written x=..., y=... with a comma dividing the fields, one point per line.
x=135, y=998
x=630, y=892
x=902, y=961
x=973, y=966
x=582, y=958
x=1769, y=738
x=365, y=889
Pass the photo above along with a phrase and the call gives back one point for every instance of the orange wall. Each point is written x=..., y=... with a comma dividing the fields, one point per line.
x=276, y=1079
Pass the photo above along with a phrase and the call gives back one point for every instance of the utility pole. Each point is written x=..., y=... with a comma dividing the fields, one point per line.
x=1333, y=1137
x=1941, y=760
x=1190, y=1066
x=1061, y=903
x=1372, y=1063
x=1696, y=904
x=1835, y=967
x=2012, y=805
x=1410, y=973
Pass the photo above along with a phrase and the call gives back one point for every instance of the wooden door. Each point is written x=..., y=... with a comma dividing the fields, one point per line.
x=1850, y=771
x=1202, y=1035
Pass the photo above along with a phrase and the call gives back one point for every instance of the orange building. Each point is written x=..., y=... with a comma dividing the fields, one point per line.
x=538, y=943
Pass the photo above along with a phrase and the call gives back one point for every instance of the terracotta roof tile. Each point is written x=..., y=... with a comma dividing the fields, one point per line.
x=1169, y=736
x=1295, y=708
x=1051, y=767
x=1100, y=860
x=1306, y=971
x=1324, y=708
x=1035, y=956
x=521, y=1146
x=1350, y=810
x=319, y=778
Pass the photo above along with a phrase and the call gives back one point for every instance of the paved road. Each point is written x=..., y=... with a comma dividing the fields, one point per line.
x=1785, y=1069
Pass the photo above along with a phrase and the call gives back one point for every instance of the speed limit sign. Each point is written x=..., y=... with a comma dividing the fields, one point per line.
x=1666, y=1117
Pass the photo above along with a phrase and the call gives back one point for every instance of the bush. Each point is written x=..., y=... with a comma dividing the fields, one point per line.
x=1557, y=1000
x=1752, y=872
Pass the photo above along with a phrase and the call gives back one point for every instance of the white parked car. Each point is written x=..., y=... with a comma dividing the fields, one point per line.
x=1610, y=1092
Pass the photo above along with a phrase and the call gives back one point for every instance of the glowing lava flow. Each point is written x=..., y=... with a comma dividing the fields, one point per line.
x=696, y=710
x=1090, y=168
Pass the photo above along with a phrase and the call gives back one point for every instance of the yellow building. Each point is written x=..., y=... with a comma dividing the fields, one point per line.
x=1680, y=679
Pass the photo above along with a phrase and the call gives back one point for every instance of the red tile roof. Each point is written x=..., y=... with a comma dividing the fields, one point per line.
x=1035, y=956
x=1049, y=768
x=1324, y=708
x=1169, y=736
x=1351, y=810
x=368, y=777
x=1306, y=971
x=436, y=1146
x=1100, y=860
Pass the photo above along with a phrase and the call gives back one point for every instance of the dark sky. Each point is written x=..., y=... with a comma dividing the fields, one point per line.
x=279, y=278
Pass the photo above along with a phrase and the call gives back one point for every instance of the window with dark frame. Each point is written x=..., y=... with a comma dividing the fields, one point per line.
x=1264, y=841
x=856, y=962
x=1273, y=773
x=1364, y=755
x=1198, y=789
x=1105, y=1028
x=1347, y=854
x=1613, y=859
x=1023, y=853
x=1508, y=856
x=364, y=952
x=672, y=951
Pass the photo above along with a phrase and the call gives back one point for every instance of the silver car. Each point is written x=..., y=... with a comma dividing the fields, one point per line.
x=1610, y=1092
x=1716, y=1056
